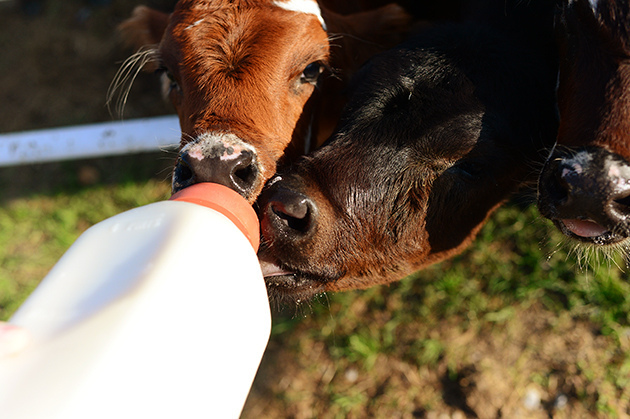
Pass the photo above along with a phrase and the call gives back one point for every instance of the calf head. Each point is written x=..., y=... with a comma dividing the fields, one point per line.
x=243, y=76
x=435, y=137
x=585, y=184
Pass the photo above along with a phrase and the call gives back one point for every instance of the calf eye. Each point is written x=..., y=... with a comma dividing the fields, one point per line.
x=311, y=73
x=468, y=171
x=169, y=82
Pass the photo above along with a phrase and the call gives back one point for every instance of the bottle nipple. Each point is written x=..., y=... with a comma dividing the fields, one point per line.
x=226, y=201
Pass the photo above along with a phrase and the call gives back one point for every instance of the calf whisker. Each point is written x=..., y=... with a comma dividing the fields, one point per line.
x=554, y=251
x=126, y=75
x=592, y=255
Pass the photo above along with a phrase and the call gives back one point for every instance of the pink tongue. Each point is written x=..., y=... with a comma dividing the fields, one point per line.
x=584, y=228
x=271, y=269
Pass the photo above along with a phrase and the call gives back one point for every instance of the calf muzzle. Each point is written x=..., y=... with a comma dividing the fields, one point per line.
x=586, y=192
x=222, y=159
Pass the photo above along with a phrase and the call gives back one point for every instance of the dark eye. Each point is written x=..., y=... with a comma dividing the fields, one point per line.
x=311, y=73
x=169, y=82
x=468, y=171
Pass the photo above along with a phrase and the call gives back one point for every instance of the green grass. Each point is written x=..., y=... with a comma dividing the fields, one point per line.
x=35, y=232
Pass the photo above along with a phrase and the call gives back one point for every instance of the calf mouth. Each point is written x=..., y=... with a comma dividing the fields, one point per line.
x=590, y=232
x=289, y=286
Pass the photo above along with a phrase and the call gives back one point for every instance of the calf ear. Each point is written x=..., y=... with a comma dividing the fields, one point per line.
x=145, y=27
x=364, y=34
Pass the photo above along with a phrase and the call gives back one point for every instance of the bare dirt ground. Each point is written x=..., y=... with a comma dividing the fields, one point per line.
x=55, y=68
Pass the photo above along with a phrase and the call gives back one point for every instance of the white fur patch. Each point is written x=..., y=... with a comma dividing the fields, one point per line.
x=302, y=6
x=594, y=5
x=274, y=179
x=194, y=24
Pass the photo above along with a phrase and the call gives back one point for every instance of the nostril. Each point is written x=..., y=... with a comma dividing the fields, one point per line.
x=184, y=171
x=619, y=183
x=559, y=188
x=553, y=183
x=183, y=174
x=293, y=212
x=294, y=220
x=621, y=203
x=244, y=172
x=624, y=201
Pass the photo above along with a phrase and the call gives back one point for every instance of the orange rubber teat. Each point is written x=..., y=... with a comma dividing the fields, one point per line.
x=228, y=202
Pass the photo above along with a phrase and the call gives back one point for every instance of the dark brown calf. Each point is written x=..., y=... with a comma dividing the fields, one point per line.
x=438, y=132
x=245, y=77
x=585, y=184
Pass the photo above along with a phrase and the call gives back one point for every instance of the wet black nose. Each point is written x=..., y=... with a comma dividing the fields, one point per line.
x=230, y=167
x=593, y=184
x=287, y=213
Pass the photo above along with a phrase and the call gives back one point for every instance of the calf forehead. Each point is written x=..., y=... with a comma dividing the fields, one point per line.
x=200, y=8
x=234, y=40
x=425, y=103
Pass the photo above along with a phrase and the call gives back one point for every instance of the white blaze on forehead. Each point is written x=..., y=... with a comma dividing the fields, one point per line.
x=303, y=6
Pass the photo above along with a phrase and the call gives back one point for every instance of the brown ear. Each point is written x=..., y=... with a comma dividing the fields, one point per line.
x=364, y=34
x=145, y=27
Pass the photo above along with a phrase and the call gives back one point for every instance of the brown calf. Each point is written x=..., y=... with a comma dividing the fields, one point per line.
x=585, y=184
x=245, y=77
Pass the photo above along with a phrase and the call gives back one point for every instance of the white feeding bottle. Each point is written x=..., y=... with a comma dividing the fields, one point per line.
x=158, y=312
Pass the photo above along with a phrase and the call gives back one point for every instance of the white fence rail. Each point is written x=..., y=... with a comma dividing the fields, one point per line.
x=85, y=141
